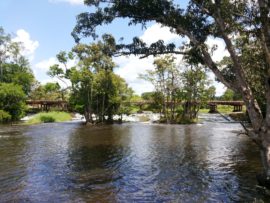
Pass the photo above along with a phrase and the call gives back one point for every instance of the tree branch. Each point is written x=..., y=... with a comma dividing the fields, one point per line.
x=123, y=53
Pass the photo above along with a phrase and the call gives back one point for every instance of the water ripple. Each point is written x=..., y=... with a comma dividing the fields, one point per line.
x=128, y=163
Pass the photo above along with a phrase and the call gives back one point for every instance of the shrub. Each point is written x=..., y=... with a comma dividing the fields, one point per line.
x=239, y=116
x=47, y=119
x=12, y=100
x=4, y=116
x=184, y=120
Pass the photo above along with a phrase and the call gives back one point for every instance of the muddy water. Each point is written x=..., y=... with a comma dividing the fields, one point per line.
x=133, y=162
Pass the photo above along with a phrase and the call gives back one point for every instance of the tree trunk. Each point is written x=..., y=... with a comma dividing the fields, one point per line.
x=264, y=177
x=86, y=115
x=260, y=125
x=103, y=106
x=88, y=118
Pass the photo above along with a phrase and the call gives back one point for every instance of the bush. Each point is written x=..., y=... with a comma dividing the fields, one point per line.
x=12, y=100
x=47, y=119
x=239, y=116
x=184, y=120
x=4, y=116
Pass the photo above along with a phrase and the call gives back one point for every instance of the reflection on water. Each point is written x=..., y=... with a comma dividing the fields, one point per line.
x=129, y=162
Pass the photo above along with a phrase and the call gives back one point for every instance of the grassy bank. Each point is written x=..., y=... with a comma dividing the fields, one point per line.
x=49, y=117
x=222, y=109
x=228, y=110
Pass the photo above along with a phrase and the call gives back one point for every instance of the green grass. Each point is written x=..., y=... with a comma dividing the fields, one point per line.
x=134, y=109
x=46, y=117
x=203, y=110
x=225, y=109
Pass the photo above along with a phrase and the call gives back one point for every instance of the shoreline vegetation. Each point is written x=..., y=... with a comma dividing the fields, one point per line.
x=60, y=116
x=49, y=117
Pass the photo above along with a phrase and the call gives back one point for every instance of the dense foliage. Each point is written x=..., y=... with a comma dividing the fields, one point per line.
x=230, y=95
x=16, y=79
x=95, y=88
x=12, y=101
x=48, y=91
x=178, y=85
x=14, y=67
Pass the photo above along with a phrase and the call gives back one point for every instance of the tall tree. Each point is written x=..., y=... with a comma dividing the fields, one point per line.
x=175, y=84
x=12, y=100
x=16, y=78
x=14, y=67
x=48, y=91
x=95, y=90
x=165, y=78
x=196, y=90
x=219, y=18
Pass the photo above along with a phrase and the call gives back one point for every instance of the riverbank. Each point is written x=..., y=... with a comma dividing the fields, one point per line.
x=48, y=117
x=145, y=117
x=221, y=109
x=227, y=111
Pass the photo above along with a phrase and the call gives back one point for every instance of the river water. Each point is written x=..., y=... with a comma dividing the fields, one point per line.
x=132, y=162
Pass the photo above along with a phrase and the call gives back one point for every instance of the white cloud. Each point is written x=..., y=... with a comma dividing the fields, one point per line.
x=29, y=46
x=220, y=88
x=63, y=83
x=130, y=67
x=41, y=68
x=217, y=56
x=45, y=64
x=220, y=51
x=72, y=2
x=157, y=32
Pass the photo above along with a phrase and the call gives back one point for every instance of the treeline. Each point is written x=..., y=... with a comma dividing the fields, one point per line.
x=18, y=83
x=16, y=79
x=95, y=89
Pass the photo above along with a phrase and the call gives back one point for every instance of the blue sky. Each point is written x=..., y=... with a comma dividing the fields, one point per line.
x=50, y=22
x=44, y=27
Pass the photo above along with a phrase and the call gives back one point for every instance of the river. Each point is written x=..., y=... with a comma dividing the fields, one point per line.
x=131, y=162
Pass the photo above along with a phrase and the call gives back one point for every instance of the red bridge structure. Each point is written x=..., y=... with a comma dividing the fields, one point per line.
x=237, y=105
x=46, y=105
